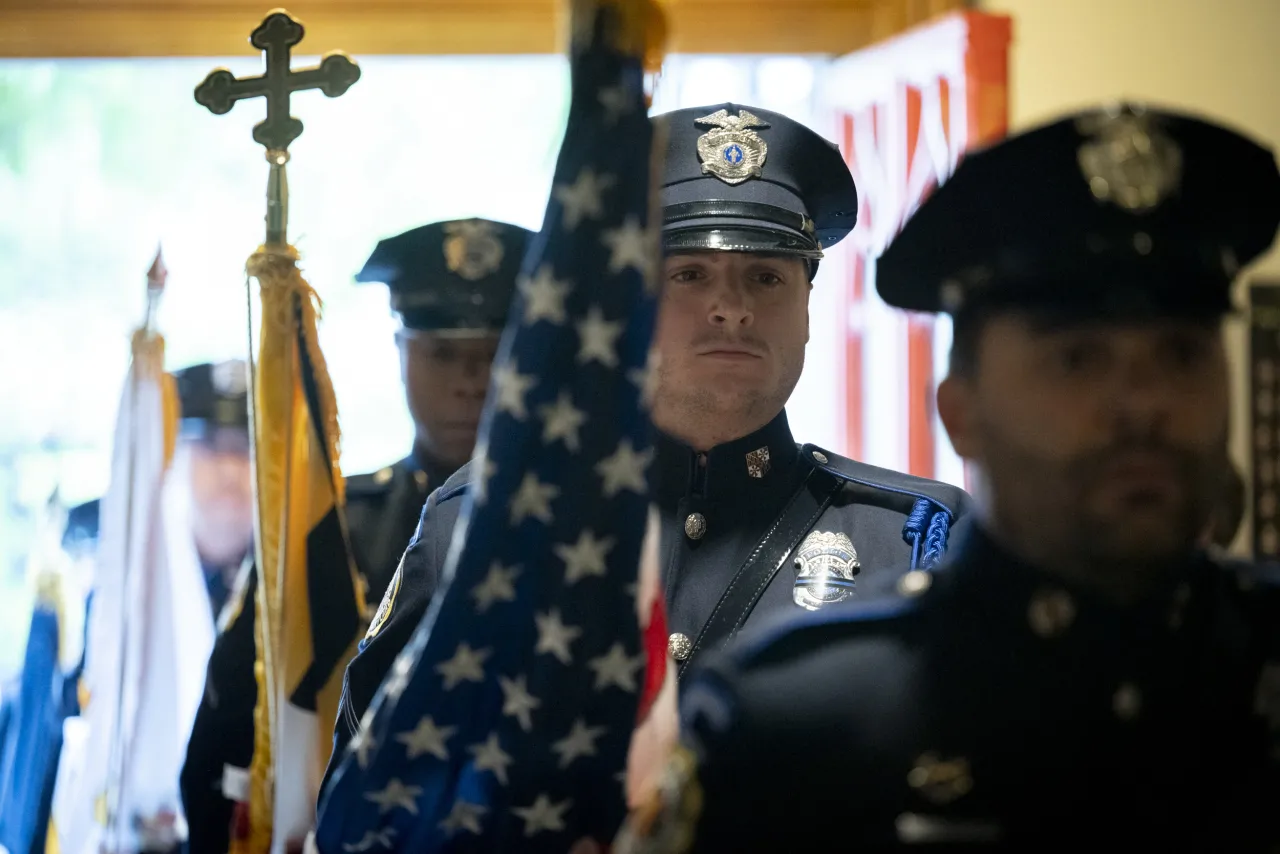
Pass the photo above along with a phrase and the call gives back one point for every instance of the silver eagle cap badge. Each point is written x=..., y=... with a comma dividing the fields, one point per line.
x=731, y=150
x=1129, y=160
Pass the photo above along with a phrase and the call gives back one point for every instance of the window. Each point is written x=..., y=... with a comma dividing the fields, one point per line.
x=103, y=160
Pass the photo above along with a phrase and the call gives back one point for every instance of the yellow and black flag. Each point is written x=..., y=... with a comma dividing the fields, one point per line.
x=307, y=602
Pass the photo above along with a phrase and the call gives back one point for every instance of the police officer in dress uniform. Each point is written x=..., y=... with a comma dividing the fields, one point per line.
x=451, y=285
x=752, y=522
x=1077, y=672
x=214, y=433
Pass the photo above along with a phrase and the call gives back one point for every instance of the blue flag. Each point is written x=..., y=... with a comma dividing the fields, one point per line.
x=505, y=722
x=32, y=735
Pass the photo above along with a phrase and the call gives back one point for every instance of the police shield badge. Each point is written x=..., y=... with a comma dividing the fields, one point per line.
x=472, y=249
x=1129, y=161
x=731, y=150
x=825, y=566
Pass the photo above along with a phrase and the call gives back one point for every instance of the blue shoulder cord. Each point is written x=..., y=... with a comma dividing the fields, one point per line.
x=926, y=531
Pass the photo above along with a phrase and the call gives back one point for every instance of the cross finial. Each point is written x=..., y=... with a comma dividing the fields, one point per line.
x=158, y=274
x=277, y=35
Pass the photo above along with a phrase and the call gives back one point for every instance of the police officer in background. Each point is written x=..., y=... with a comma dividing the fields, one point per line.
x=214, y=443
x=451, y=285
x=1078, y=671
x=752, y=522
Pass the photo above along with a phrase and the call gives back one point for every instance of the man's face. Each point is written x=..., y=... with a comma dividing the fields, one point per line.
x=445, y=382
x=730, y=339
x=1104, y=443
x=222, y=495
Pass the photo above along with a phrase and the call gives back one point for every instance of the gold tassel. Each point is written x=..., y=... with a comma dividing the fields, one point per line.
x=279, y=280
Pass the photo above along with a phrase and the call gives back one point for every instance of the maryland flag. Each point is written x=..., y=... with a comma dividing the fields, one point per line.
x=308, y=604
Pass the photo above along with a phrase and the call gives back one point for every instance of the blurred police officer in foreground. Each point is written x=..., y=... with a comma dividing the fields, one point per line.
x=1077, y=672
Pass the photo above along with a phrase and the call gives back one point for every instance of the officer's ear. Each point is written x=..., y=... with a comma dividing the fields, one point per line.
x=957, y=409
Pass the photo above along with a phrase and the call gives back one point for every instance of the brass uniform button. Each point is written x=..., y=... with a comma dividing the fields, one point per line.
x=695, y=526
x=1051, y=612
x=1127, y=702
x=915, y=582
x=679, y=646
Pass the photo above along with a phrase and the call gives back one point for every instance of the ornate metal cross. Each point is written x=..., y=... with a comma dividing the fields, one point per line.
x=276, y=35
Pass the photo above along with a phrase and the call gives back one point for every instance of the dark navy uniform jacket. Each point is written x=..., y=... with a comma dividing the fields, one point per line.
x=762, y=504
x=997, y=709
x=383, y=509
x=382, y=513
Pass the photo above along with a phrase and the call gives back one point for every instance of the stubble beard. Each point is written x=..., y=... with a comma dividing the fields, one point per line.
x=1043, y=513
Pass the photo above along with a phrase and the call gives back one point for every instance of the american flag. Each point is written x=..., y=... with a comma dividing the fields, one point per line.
x=505, y=722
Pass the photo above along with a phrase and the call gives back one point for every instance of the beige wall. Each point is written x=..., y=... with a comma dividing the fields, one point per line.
x=1220, y=58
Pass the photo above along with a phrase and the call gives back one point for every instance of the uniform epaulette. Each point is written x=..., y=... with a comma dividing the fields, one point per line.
x=949, y=497
x=373, y=483
x=817, y=626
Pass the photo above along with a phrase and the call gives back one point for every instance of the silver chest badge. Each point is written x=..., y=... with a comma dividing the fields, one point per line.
x=731, y=150
x=826, y=563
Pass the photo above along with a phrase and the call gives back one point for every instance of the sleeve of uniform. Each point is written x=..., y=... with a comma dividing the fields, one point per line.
x=780, y=736
x=402, y=607
x=222, y=734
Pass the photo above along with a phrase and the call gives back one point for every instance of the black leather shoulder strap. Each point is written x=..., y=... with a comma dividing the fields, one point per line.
x=761, y=566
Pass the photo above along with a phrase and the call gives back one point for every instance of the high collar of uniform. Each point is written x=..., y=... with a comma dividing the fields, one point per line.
x=426, y=470
x=1051, y=605
x=735, y=470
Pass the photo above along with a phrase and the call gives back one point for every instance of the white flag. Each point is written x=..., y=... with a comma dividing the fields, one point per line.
x=150, y=636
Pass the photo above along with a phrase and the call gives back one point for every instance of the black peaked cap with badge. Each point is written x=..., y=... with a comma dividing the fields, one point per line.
x=213, y=396
x=742, y=179
x=454, y=276
x=1110, y=211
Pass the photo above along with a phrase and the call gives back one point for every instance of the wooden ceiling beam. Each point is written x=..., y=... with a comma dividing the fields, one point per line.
x=151, y=28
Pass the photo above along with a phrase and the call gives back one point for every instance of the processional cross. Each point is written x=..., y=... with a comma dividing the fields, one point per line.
x=276, y=35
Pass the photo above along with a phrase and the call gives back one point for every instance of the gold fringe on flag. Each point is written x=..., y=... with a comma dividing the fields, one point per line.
x=290, y=503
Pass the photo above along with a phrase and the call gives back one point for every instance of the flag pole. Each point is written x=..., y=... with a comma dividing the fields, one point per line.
x=143, y=338
x=272, y=405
